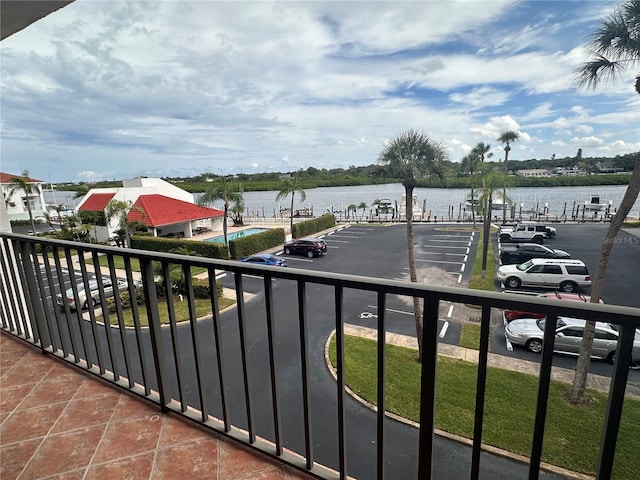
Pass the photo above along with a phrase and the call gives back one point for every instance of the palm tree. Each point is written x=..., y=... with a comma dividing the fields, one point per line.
x=469, y=164
x=412, y=155
x=614, y=46
x=351, y=208
x=119, y=209
x=289, y=186
x=23, y=183
x=506, y=137
x=362, y=206
x=228, y=192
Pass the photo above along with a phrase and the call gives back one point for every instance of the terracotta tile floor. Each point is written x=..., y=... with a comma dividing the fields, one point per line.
x=58, y=423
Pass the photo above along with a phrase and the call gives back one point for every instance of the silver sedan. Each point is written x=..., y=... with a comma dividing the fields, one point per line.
x=528, y=333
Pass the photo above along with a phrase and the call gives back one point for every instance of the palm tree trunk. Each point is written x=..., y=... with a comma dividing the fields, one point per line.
x=225, y=229
x=413, y=274
x=473, y=206
x=579, y=384
x=504, y=186
x=33, y=223
x=291, y=212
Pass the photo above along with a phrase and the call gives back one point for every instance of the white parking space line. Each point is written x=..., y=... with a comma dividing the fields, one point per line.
x=509, y=344
x=443, y=330
x=332, y=241
x=296, y=259
x=437, y=261
x=441, y=253
x=391, y=310
x=460, y=278
x=449, y=241
x=450, y=312
x=343, y=236
x=462, y=268
x=444, y=246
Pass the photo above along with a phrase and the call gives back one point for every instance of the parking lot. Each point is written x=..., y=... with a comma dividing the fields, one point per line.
x=445, y=256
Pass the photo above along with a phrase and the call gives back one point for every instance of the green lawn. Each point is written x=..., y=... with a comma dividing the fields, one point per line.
x=203, y=307
x=470, y=336
x=487, y=283
x=572, y=434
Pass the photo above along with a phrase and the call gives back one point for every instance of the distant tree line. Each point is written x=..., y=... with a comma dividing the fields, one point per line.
x=375, y=174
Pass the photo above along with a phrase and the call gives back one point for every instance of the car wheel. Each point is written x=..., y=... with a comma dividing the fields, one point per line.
x=91, y=302
x=611, y=358
x=568, y=287
x=534, y=345
x=513, y=282
x=287, y=251
x=539, y=239
x=311, y=254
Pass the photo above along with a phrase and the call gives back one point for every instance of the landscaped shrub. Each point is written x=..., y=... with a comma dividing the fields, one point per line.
x=125, y=300
x=170, y=245
x=309, y=227
x=243, y=246
x=201, y=288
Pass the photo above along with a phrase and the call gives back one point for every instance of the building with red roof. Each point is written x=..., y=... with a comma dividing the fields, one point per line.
x=165, y=209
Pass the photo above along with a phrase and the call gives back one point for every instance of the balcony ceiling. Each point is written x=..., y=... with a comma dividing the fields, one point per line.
x=18, y=14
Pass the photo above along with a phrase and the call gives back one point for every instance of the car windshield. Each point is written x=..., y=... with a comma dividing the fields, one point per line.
x=524, y=266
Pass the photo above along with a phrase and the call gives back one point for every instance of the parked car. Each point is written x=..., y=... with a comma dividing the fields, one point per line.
x=510, y=315
x=93, y=297
x=529, y=332
x=520, y=253
x=309, y=246
x=265, y=259
x=526, y=232
x=563, y=274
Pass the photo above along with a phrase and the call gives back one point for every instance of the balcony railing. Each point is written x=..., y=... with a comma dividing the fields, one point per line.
x=250, y=374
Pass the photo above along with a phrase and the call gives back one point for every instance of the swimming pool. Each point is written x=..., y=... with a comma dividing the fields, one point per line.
x=234, y=235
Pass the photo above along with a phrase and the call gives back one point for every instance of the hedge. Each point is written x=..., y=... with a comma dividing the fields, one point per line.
x=170, y=245
x=243, y=246
x=309, y=227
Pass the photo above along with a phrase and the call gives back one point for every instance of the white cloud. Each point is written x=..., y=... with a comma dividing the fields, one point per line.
x=179, y=88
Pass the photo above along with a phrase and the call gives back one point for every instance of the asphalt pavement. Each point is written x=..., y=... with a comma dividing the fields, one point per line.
x=452, y=457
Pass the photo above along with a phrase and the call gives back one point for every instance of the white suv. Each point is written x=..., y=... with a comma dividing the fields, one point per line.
x=565, y=275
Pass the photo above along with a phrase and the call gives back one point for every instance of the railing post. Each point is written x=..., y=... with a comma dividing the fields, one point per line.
x=481, y=384
x=615, y=402
x=34, y=306
x=428, y=386
x=155, y=331
x=543, y=395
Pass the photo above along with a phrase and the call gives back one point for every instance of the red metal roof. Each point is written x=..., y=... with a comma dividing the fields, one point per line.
x=158, y=210
x=96, y=202
x=6, y=178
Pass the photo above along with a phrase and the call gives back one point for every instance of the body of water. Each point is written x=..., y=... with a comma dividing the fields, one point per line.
x=438, y=202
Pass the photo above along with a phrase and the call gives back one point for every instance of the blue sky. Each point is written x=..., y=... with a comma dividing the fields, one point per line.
x=110, y=90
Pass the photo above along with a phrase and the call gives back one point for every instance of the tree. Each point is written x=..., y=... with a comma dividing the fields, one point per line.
x=237, y=211
x=614, y=46
x=470, y=164
x=228, y=192
x=362, y=206
x=119, y=210
x=23, y=183
x=289, y=186
x=506, y=137
x=412, y=155
x=351, y=208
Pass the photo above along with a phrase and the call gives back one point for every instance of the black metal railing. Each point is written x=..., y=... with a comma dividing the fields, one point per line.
x=250, y=373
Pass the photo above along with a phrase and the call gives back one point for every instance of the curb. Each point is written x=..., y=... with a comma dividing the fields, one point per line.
x=451, y=436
